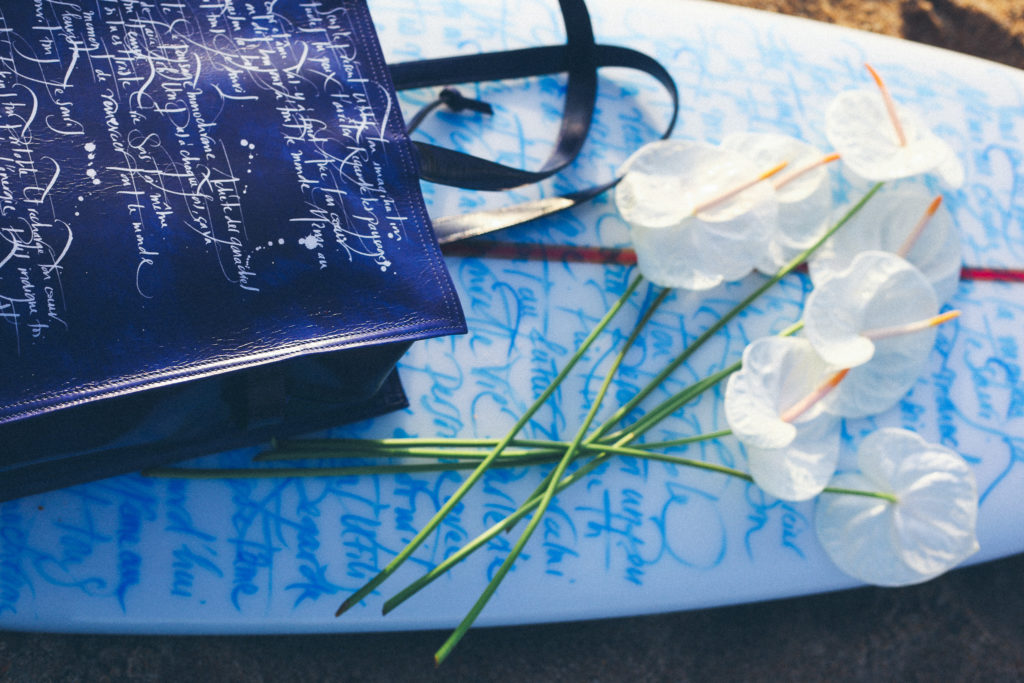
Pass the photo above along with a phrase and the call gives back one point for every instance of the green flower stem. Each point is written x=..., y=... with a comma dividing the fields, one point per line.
x=682, y=397
x=340, y=448
x=684, y=441
x=667, y=407
x=606, y=383
x=731, y=471
x=477, y=473
x=868, y=494
x=549, y=490
x=643, y=450
x=542, y=497
x=544, y=501
x=496, y=529
x=603, y=453
x=552, y=454
x=456, y=453
x=346, y=470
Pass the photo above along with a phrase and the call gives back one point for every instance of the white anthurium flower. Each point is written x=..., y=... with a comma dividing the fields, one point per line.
x=929, y=529
x=879, y=140
x=802, y=190
x=877, y=291
x=877, y=317
x=904, y=220
x=772, y=408
x=698, y=215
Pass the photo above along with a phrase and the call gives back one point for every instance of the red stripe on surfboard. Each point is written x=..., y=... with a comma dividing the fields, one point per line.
x=542, y=252
x=620, y=256
x=992, y=274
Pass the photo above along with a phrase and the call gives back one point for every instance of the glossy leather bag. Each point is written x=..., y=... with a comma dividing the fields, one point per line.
x=212, y=233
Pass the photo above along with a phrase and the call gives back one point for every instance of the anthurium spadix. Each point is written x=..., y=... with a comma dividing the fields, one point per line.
x=803, y=191
x=698, y=215
x=880, y=140
x=905, y=220
x=877, y=291
x=773, y=406
x=926, y=529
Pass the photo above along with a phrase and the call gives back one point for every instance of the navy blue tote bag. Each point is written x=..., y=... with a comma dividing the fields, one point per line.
x=212, y=227
x=212, y=232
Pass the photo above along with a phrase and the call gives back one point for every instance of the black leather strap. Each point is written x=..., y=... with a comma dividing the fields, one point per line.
x=580, y=58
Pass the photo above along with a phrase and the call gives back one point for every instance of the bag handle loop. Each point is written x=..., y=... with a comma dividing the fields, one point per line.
x=579, y=58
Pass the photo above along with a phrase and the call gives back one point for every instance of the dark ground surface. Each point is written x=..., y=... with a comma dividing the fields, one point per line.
x=967, y=625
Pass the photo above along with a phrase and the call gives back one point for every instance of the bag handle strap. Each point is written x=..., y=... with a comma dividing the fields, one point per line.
x=579, y=58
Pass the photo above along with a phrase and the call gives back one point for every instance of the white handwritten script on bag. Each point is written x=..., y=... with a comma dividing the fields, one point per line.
x=171, y=172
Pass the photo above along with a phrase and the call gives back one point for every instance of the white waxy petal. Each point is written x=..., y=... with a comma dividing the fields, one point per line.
x=853, y=531
x=804, y=202
x=800, y=470
x=928, y=531
x=671, y=257
x=680, y=244
x=952, y=171
x=884, y=224
x=858, y=126
x=766, y=150
x=733, y=248
x=665, y=181
x=655, y=190
x=800, y=225
x=777, y=372
x=878, y=290
x=876, y=386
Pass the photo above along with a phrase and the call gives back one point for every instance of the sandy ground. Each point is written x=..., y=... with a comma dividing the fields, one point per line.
x=993, y=29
